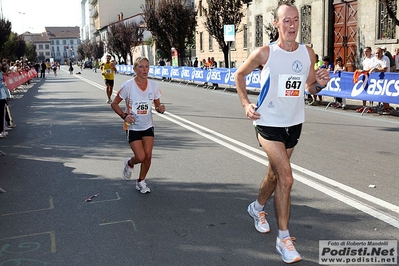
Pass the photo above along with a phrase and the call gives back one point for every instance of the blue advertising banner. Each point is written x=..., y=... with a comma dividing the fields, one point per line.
x=378, y=87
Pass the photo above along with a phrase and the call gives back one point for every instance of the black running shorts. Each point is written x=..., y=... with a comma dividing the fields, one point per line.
x=133, y=135
x=109, y=82
x=288, y=135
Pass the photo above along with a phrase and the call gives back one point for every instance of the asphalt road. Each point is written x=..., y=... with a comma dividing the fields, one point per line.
x=207, y=166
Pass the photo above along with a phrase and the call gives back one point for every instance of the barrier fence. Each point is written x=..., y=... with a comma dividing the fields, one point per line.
x=15, y=79
x=377, y=87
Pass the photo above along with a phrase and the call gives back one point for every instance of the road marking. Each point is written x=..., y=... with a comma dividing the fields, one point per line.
x=326, y=190
x=263, y=160
x=119, y=222
x=52, y=239
x=38, y=210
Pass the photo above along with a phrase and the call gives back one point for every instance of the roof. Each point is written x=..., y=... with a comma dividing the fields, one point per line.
x=63, y=32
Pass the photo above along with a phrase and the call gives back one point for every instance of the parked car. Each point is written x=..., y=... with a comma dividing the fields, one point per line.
x=88, y=64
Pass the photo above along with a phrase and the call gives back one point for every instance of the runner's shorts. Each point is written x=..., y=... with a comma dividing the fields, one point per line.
x=133, y=135
x=287, y=135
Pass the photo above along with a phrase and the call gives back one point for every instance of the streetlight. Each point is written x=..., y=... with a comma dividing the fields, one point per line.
x=22, y=13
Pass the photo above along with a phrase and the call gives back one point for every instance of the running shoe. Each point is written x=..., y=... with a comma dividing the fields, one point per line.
x=142, y=187
x=387, y=112
x=259, y=219
x=127, y=170
x=286, y=249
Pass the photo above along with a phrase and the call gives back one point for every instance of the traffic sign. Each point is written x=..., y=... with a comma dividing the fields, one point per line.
x=229, y=33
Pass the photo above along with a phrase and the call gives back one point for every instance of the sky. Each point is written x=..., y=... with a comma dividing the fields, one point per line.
x=34, y=15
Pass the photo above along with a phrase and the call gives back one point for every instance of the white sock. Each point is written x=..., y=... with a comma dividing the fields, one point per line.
x=258, y=207
x=283, y=233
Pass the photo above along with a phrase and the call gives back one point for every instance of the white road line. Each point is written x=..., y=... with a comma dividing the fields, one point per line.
x=263, y=160
x=326, y=190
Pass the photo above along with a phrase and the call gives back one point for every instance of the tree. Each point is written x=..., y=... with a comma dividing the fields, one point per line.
x=172, y=24
x=30, y=52
x=123, y=37
x=5, y=31
x=220, y=13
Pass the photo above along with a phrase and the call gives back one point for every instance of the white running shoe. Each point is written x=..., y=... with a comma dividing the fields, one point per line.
x=287, y=250
x=142, y=187
x=127, y=170
x=259, y=218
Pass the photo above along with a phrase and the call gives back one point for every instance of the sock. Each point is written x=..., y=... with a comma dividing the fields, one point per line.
x=130, y=164
x=258, y=207
x=283, y=233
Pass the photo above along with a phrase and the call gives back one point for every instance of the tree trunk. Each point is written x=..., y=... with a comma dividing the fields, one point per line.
x=225, y=50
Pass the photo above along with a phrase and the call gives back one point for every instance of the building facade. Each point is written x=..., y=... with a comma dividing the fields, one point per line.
x=331, y=27
x=64, y=42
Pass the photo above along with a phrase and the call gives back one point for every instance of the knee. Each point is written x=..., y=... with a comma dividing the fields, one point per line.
x=286, y=182
x=143, y=157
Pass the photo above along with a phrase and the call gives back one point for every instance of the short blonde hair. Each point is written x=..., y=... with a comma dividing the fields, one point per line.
x=139, y=59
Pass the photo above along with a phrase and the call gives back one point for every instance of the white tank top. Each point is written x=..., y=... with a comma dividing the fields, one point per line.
x=281, y=100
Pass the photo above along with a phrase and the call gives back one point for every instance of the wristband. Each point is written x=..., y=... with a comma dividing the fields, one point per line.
x=319, y=88
x=124, y=116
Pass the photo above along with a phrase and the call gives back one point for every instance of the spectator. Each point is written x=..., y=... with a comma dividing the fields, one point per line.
x=4, y=95
x=339, y=67
x=161, y=62
x=367, y=66
x=327, y=65
x=195, y=64
x=213, y=65
x=43, y=67
x=396, y=57
x=318, y=63
x=392, y=65
x=381, y=63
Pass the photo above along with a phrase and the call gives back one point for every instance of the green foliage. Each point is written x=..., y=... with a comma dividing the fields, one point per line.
x=220, y=13
x=172, y=24
x=30, y=52
x=122, y=38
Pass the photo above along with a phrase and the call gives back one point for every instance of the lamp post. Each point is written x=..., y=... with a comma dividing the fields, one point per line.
x=22, y=13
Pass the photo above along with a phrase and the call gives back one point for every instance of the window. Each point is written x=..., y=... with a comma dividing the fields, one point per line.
x=386, y=27
x=233, y=46
x=200, y=8
x=306, y=25
x=200, y=41
x=57, y=42
x=210, y=43
x=71, y=42
x=41, y=46
x=258, y=31
x=245, y=36
x=47, y=53
x=64, y=42
x=47, y=46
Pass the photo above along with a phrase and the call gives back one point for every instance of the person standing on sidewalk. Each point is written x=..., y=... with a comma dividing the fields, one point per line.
x=108, y=71
x=140, y=94
x=287, y=70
